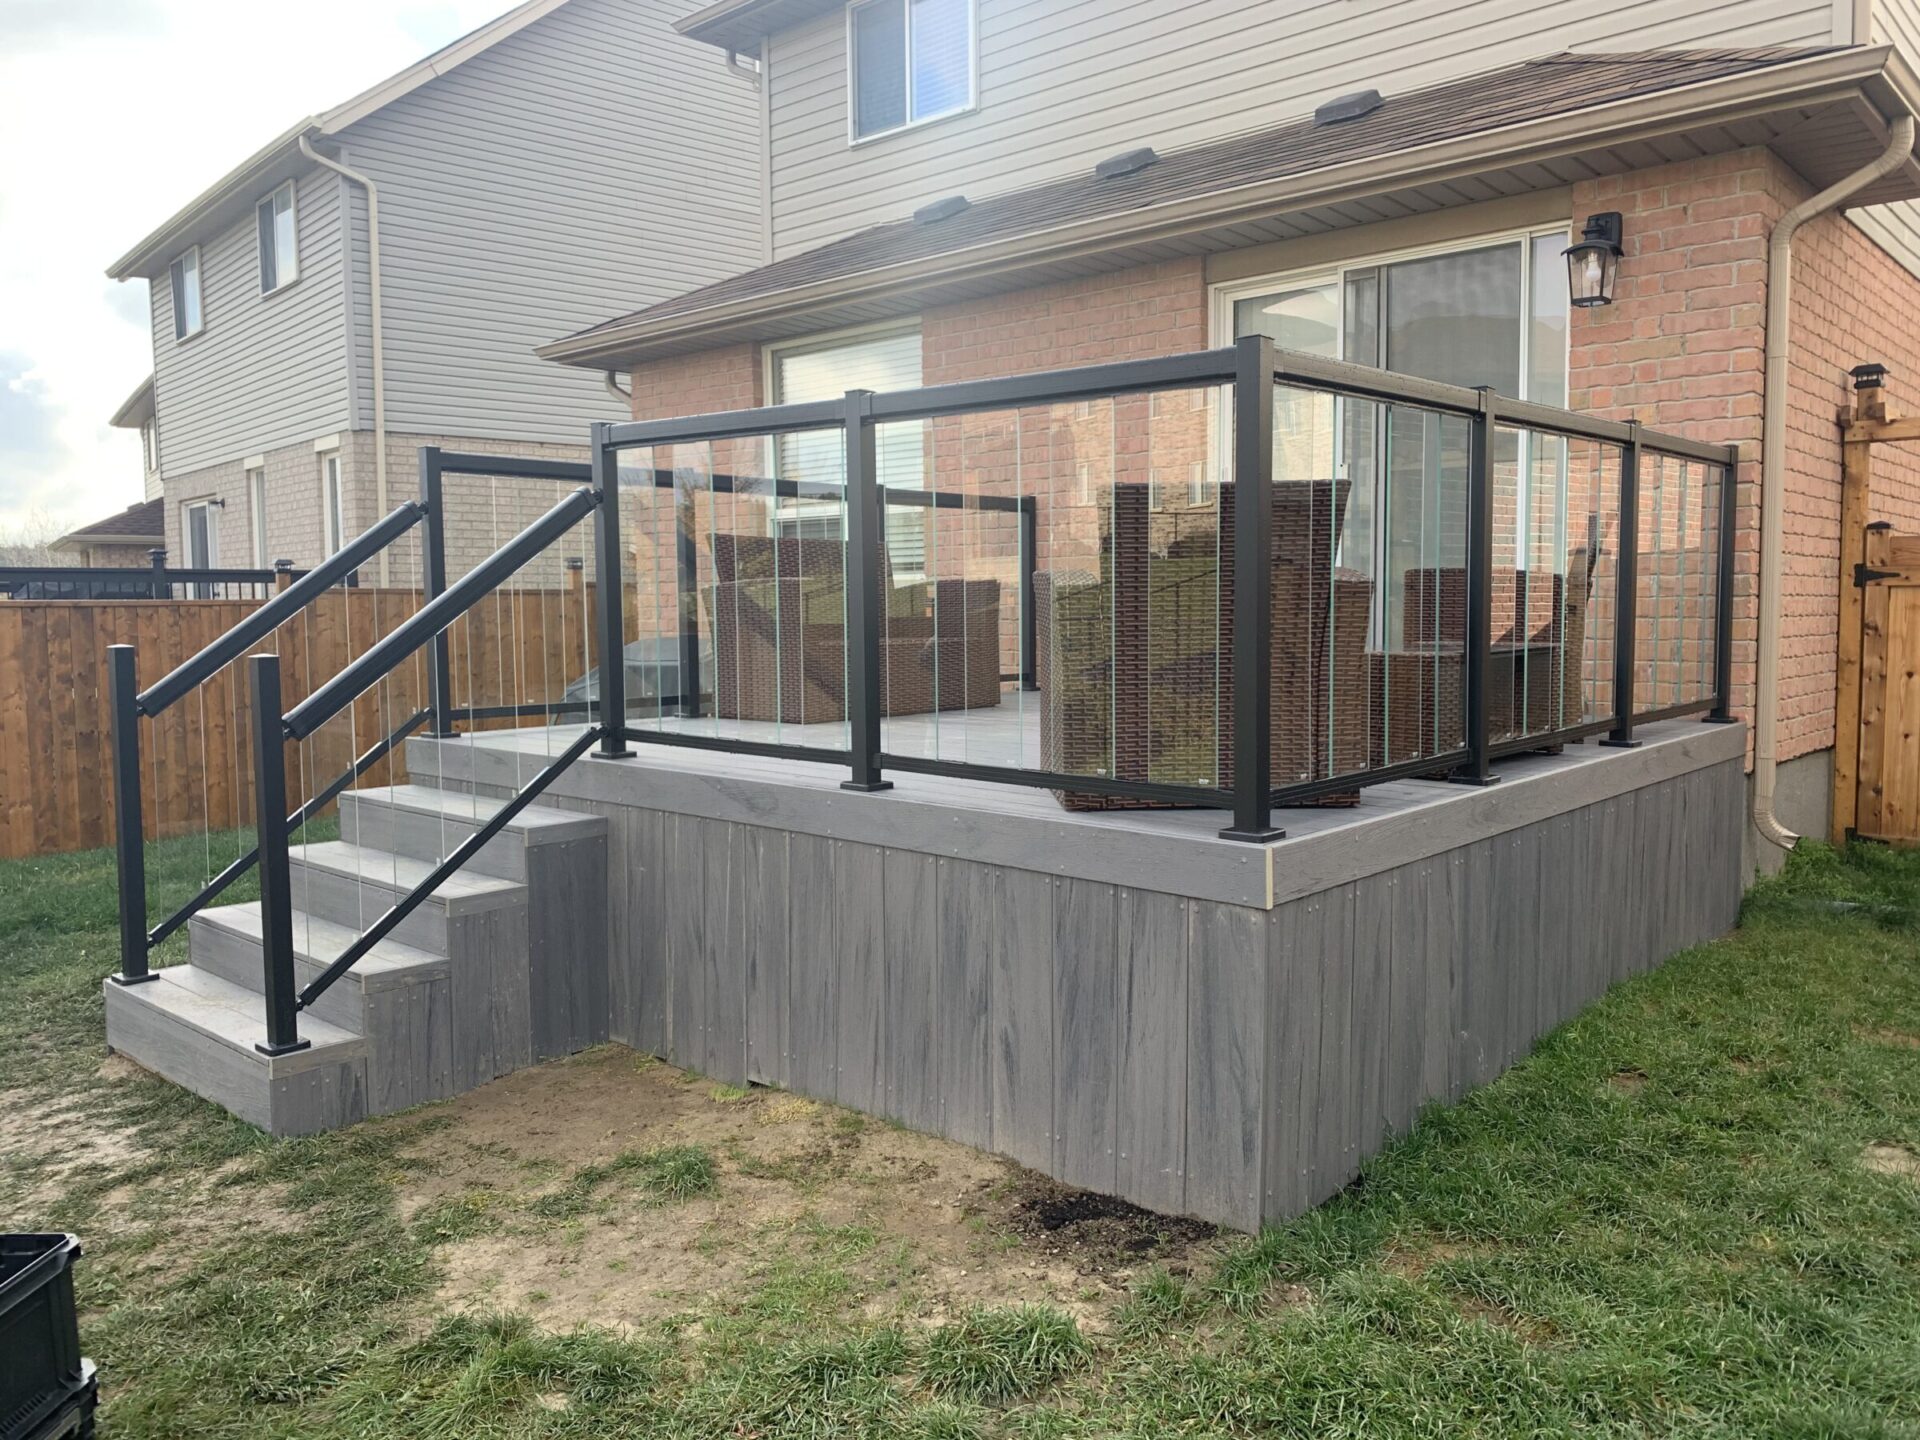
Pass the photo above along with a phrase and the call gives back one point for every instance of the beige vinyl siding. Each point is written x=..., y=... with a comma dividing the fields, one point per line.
x=591, y=165
x=1064, y=84
x=265, y=370
x=1896, y=227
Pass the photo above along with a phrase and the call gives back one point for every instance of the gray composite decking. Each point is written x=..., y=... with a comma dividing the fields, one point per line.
x=1122, y=999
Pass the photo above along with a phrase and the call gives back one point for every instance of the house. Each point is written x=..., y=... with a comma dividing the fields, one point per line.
x=376, y=277
x=119, y=542
x=137, y=413
x=1081, y=184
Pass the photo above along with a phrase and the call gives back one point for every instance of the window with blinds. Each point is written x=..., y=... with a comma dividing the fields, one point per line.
x=826, y=370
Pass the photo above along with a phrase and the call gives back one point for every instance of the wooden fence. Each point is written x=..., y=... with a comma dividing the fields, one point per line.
x=517, y=647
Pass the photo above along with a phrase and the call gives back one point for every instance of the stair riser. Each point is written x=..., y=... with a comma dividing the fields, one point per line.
x=371, y=822
x=236, y=957
x=358, y=901
x=321, y=1096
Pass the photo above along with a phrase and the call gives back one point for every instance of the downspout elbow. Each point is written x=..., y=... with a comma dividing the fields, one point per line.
x=1773, y=467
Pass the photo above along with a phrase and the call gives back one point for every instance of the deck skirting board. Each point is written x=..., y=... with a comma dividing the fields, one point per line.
x=1234, y=1061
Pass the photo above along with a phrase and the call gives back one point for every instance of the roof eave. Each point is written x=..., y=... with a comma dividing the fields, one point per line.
x=136, y=409
x=1872, y=72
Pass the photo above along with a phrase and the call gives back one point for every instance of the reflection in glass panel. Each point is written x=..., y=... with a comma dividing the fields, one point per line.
x=942, y=57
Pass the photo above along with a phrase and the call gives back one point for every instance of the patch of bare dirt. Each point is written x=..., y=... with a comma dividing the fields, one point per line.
x=1628, y=1082
x=1410, y=1259
x=1883, y=1036
x=1891, y=1160
x=1101, y=1232
x=919, y=1228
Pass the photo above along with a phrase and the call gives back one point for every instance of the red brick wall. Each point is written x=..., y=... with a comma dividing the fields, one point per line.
x=1683, y=350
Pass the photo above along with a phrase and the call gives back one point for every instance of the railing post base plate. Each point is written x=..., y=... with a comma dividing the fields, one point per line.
x=1719, y=719
x=623, y=753
x=864, y=787
x=1466, y=775
x=1254, y=837
x=293, y=1047
x=1621, y=742
x=125, y=980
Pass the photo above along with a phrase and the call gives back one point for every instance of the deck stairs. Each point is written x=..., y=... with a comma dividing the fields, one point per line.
x=502, y=966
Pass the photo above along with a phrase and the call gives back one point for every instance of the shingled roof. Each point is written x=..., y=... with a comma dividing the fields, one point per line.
x=145, y=523
x=1476, y=106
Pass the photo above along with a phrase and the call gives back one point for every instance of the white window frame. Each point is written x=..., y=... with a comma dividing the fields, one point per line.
x=1224, y=295
x=150, y=444
x=280, y=282
x=333, y=507
x=854, y=137
x=211, y=560
x=257, y=514
x=182, y=335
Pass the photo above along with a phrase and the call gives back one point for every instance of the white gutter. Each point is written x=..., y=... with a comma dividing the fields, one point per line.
x=379, y=351
x=1773, y=468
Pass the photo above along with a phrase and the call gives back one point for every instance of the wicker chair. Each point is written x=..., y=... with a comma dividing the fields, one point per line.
x=777, y=611
x=1134, y=661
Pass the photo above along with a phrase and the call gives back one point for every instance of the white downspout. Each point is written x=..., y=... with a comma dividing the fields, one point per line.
x=1773, y=468
x=625, y=397
x=379, y=351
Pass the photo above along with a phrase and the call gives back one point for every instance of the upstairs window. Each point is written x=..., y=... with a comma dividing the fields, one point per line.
x=912, y=60
x=185, y=276
x=279, y=250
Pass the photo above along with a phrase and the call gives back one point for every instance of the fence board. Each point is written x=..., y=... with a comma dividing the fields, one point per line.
x=56, y=719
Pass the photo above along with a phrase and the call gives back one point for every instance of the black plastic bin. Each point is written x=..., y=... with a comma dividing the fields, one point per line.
x=46, y=1387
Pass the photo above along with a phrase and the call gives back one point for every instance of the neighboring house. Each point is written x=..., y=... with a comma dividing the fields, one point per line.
x=137, y=413
x=376, y=277
x=1423, y=233
x=120, y=541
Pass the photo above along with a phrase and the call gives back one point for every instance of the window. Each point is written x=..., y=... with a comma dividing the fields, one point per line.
x=1489, y=313
x=825, y=369
x=185, y=275
x=150, y=446
x=279, y=250
x=332, y=508
x=257, y=515
x=202, y=540
x=912, y=60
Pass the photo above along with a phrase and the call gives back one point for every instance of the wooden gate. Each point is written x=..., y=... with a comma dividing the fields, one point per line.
x=1888, y=803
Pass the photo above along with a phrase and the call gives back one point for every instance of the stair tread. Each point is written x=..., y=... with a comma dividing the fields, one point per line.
x=536, y=822
x=403, y=872
x=320, y=940
x=229, y=1012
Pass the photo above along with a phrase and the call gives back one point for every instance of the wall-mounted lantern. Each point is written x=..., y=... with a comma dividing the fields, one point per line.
x=1593, y=265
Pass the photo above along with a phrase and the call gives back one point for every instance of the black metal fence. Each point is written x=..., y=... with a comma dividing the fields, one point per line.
x=157, y=581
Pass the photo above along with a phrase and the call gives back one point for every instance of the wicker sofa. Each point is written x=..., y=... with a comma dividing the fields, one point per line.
x=777, y=615
x=1134, y=659
x=1536, y=678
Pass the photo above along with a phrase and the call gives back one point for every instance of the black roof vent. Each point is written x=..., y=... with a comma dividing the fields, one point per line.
x=1130, y=162
x=1348, y=107
x=941, y=210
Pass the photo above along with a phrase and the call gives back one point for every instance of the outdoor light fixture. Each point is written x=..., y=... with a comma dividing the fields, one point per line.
x=1594, y=264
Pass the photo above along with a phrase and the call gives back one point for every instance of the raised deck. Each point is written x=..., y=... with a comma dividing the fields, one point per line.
x=1123, y=1000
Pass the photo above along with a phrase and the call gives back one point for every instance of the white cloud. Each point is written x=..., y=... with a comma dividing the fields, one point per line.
x=117, y=112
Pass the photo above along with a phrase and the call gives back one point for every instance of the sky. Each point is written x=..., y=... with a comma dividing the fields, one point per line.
x=114, y=114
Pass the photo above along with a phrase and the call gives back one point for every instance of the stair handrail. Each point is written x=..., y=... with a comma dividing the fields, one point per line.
x=190, y=673
x=388, y=653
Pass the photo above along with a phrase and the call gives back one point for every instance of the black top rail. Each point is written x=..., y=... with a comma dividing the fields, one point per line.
x=420, y=627
x=143, y=575
x=573, y=472
x=269, y=617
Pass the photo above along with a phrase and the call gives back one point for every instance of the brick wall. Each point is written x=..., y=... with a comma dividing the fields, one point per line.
x=1683, y=350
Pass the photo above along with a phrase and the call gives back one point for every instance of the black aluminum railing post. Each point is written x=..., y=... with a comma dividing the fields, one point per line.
x=157, y=562
x=865, y=530
x=1253, y=593
x=1626, y=617
x=1477, y=768
x=686, y=560
x=1029, y=624
x=433, y=580
x=609, y=583
x=1722, y=712
x=129, y=856
x=276, y=888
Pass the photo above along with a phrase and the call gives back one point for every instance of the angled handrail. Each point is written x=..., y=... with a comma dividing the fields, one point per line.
x=270, y=616
x=420, y=627
x=217, y=886
x=446, y=869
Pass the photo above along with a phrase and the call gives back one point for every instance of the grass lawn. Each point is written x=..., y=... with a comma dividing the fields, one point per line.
x=1695, y=1211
